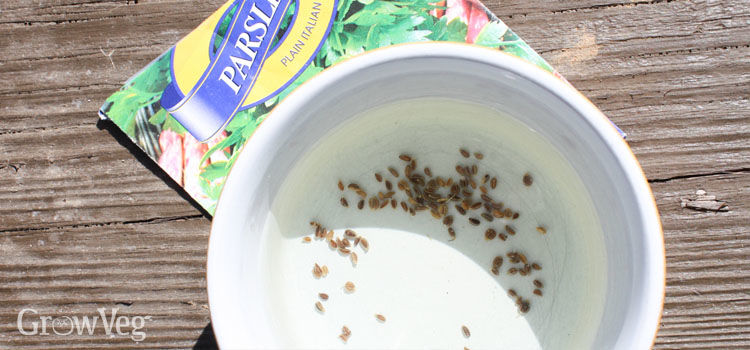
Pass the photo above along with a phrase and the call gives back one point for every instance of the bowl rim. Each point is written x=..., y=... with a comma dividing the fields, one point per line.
x=652, y=237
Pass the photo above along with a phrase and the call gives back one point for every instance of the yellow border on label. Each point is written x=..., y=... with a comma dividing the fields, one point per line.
x=191, y=54
x=307, y=33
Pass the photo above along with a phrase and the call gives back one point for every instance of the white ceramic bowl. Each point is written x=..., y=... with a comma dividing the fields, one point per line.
x=633, y=236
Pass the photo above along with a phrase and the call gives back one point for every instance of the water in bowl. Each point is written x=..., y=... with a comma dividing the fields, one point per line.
x=426, y=285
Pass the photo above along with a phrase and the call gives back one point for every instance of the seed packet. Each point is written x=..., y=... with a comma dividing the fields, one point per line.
x=193, y=108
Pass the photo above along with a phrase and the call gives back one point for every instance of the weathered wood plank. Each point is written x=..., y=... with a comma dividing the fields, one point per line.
x=154, y=269
x=708, y=264
x=79, y=175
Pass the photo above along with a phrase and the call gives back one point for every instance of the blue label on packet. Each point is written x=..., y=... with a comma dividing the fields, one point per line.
x=220, y=84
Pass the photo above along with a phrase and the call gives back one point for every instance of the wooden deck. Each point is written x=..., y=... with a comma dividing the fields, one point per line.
x=87, y=222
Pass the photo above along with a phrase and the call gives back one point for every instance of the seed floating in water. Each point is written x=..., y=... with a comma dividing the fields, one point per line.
x=394, y=204
x=306, y=239
x=497, y=261
x=502, y=236
x=512, y=293
x=439, y=180
x=324, y=269
x=510, y=230
x=460, y=210
x=341, y=185
x=344, y=202
x=319, y=230
x=512, y=271
x=344, y=243
x=353, y=257
x=435, y=214
x=452, y=233
x=361, y=204
x=388, y=185
x=405, y=158
x=464, y=153
x=406, y=187
x=448, y=220
x=542, y=230
x=527, y=179
x=493, y=183
x=460, y=170
x=332, y=244
x=515, y=216
x=488, y=208
x=393, y=171
x=490, y=234
x=349, y=286
x=380, y=317
x=455, y=189
x=319, y=306
x=538, y=284
x=524, y=307
x=478, y=155
x=487, y=217
x=466, y=332
x=365, y=244
x=538, y=292
x=536, y=266
x=374, y=203
x=474, y=221
x=428, y=172
x=317, y=271
x=378, y=177
x=323, y=296
x=345, y=333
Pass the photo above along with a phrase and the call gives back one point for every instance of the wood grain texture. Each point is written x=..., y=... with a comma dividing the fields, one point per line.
x=84, y=224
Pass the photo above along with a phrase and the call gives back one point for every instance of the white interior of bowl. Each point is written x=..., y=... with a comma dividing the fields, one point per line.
x=633, y=237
